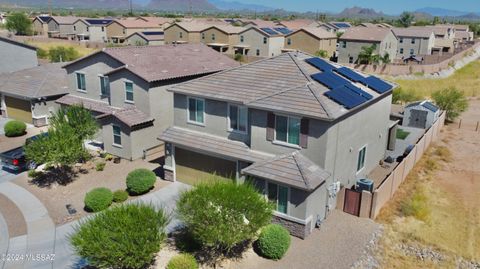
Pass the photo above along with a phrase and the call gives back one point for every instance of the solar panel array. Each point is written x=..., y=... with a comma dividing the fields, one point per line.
x=269, y=31
x=341, y=25
x=283, y=30
x=152, y=33
x=98, y=21
x=342, y=91
x=430, y=106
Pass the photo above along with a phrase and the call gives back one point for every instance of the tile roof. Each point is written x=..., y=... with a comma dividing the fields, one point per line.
x=66, y=19
x=192, y=27
x=130, y=115
x=15, y=42
x=137, y=24
x=261, y=23
x=437, y=30
x=157, y=20
x=149, y=36
x=299, y=23
x=281, y=84
x=40, y=81
x=292, y=169
x=212, y=144
x=318, y=32
x=229, y=29
x=462, y=34
x=369, y=34
x=163, y=62
x=413, y=32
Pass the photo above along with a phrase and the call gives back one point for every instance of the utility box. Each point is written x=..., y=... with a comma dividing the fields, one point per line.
x=364, y=184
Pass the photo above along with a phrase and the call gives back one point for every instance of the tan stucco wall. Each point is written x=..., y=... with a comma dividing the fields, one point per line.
x=254, y=39
x=307, y=43
x=115, y=29
x=40, y=28
x=172, y=34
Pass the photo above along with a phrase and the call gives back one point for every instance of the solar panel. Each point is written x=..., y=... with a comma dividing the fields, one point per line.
x=350, y=74
x=98, y=21
x=320, y=64
x=330, y=79
x=152, y=33
x=341, y=25
x=343, y=98
x=358, y=91
x=430, y=106
x=269, y=31
x=377, y=84
x=283, y=30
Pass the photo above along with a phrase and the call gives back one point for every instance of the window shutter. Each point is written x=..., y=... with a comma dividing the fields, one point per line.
x=270, y=126
x=304, y=133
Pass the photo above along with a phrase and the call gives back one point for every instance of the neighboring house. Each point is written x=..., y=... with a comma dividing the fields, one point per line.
x=271, y=123
x=16, y=55
x=184, y=32
x=258, y=23
x=91, y=29
x=413, y=42
x=125, y=88
x=355, y=38
x=62, y=27
x=298, y=24
x=222, y=38
x=260, y=42
x=161, y=21
x=146, y=38
x=311, y=40
x=444, y=38
x=119, y=30
x=335, y=27
x=40, y=25
x=29, y=95
x=420, y=114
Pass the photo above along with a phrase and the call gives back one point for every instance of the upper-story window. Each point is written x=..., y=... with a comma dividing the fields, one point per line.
x=103, y=29
x=238, y=118
x=180, y=34
x=361, y=158
x=81, y=85
x=287, y=129
x=74, y=28
x=203, y=35
x=196, y=110
x=344, y=44
x=241, y=38
x=401, y=50
x=128, y=91
x=401, y=40
x=412, y=51
x=413, y=40
x=213, y=36
x=289, y=41
x=124, y=31
x=104, y=86
x=88, y=28
x=258, y=52
x=264, y=40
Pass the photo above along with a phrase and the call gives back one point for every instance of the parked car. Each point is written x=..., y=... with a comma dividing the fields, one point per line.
x=14, y=159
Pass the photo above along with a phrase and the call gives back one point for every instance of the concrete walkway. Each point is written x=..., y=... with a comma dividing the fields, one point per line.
x=40, y=228
x=43, y=238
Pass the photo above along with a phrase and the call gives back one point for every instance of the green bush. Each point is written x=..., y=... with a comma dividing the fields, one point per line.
x=222, y=214
x=33, y=173
x=63, y=54
x=183, y=261
x=125, y=236
x=15, y=128
x=42, y=54
x=273, y=242
x=98, y=199
x=452, y=101
x=140, y=181
x=100, y=166
x=120, y=196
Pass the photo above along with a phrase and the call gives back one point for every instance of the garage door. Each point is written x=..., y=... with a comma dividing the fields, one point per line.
x=192, y=167
x=18, y=109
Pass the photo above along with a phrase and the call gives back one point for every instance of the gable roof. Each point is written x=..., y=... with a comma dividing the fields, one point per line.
x=65, y=19
x=157, y=20
x=163, y=62
x=298, y=23
x=367, y=34
x=40, y=81
x=316, y=32
x=263, y=32
x=260, y=23
x=282, y=84
x=227, y=29
x=149, y=36
x=292, y=169
x=18, y=43
x=413, y=32
x=136, y=23
x=191, y=27
x=42, y=19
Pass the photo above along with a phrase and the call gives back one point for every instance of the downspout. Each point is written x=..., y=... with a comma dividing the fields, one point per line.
x=327, y=210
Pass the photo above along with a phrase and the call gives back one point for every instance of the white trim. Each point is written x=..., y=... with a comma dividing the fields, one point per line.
x=125, y=81
x=285, y=143
x=101, y=76
x=188, y=111
x=238, y=119
x=84, y=79
x=364, y=159
x=113, y=136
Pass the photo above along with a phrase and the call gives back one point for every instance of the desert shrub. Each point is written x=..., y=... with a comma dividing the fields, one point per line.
x=125, y=236
x=443, y=153
x=120, y=196
x=42, y=54
x=452, y=101
x=14, y=128
x=238, y=57
x=98, y=199
x=63, y=54
x=416, y=206
x=108, y=157
x=140, y=181
x=100, y=166
x=273, y=242
x=33, y=173
x=183, y=261
x=222, y=214
x=321, y=53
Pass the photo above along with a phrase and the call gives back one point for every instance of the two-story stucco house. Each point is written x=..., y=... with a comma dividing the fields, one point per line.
x=292, y=124
x=62, y=27
x=335, y=26
x=311, y=40
x=184, y=32
x=355, y=38
x=222, y=38
x=91, y=29
x=16, y=55
x=125, y=88
x=119, y=30
x=40, y=25
x=260, y=42
x=414, y=41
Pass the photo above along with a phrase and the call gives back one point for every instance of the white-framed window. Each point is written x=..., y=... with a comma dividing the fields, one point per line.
x=124, y=31
x=196, y=110
x=103, y=29
x=241, y=38
x=129, y=91
x=350, y=60
x=278, y=195
x=213, y=36
x=237, y=118
x=401, y=40
x=104, y=85
x=88, y=29
x=117, y=135
x=264, y=40
x=361, y=158
x=287, y=129
x=289, y=41
x=413, y=40
x=81, y=84
x=401, y=50
x=74, y=28
x=412, y=51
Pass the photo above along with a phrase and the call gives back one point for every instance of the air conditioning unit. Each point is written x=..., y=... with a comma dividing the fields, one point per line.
x=364, y=184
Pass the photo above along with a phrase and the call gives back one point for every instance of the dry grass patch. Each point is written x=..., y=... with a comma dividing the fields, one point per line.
x=46, y=45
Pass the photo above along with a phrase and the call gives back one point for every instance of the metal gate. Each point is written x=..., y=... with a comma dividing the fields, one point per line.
x=418, y=118
x=352, y=202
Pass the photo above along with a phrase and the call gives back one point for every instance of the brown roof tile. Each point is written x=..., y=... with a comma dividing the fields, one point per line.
x=317, y=32
x=368, y=34
x=413, y=32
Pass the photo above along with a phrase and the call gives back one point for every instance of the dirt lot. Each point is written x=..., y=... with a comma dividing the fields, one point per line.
x=434, y=219
x=56, y=196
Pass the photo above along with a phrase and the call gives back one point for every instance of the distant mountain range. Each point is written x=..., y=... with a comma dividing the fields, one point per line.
x=181, y=5
x=116, y=4
x=234, y=5
x=360, y=12
x=441, y=12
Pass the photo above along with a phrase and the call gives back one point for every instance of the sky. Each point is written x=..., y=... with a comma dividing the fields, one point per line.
x=387, y=6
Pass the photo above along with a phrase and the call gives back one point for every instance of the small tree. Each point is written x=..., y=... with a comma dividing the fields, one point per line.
x=452, y=101
x=402, y=96
x=125, y=236
x=406, y=19
x=321, y=53
x=385, y=58
x=223, y=214
x=367, y=55
x=19, y=23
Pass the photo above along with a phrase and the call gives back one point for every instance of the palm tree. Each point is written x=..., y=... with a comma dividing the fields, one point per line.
x=367, y=55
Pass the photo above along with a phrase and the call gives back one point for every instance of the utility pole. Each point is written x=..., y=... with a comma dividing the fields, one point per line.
x=131, y=8
x=50, y=6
